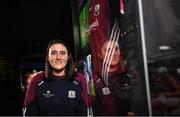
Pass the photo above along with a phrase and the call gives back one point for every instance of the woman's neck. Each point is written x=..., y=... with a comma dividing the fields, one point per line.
x=59, y=73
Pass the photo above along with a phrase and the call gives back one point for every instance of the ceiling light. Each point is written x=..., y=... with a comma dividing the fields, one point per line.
x=164, y=47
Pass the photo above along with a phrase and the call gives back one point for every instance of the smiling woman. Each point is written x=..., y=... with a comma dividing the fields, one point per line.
x=59, y=90
x=58, y=57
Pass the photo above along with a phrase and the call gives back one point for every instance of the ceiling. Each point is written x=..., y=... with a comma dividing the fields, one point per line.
x=162, y=28
x=28, y=25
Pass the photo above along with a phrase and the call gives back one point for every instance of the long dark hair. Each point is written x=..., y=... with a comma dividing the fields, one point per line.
x=69, y=69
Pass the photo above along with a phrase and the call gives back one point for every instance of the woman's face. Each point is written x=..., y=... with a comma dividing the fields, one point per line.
x=58, y=57
x=109, y=50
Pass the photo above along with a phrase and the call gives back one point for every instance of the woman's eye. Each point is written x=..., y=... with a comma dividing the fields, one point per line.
x=108, y=49
x=53, y=53
x=62, y=53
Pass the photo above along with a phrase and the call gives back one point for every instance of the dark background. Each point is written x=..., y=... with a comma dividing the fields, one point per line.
x=28, y=25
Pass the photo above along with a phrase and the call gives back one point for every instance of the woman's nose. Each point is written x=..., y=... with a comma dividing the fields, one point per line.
x=58, y=56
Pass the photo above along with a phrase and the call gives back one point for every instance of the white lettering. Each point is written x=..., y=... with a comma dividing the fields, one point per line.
x=93, y=25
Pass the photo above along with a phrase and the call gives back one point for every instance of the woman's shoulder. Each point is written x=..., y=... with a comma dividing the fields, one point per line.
x=30, y=93
x=80, y=78
x=38, y=77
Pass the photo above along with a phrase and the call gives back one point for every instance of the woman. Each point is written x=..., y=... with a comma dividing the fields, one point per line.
x=112, y=83
x=59, y=90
